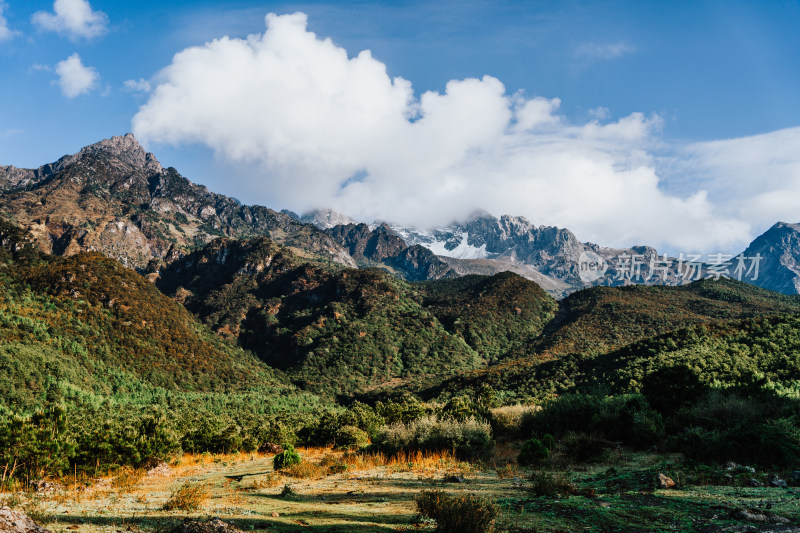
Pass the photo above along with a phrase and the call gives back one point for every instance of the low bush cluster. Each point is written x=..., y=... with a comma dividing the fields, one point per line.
x=187, y=497
x=507, y=420
x=468, y=439
x=625, y=418
x=551, y=484
x=463, y=514
x=725, y=426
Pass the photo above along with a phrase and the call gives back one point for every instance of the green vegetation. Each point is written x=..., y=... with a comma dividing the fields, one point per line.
x=254, y=346
x=287, y=458
x=601, y=319
x=468, y=439
x=345, y=331
x=497, y=316
x=465, y=514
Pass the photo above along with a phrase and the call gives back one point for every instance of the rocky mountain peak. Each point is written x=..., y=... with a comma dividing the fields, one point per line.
x=779, y=250
x=326, y=218
x=124, y=148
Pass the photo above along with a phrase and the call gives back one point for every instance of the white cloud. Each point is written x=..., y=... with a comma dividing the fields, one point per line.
x=602, y=51
x=73, y=18
x=6, y=33
x=316, y=128
x=137, y=86
x=600, y=113
x=754, y=178
x=74, y=78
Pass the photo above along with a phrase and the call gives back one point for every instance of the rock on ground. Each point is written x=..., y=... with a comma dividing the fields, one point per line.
x=215, y=525
x=18, y=522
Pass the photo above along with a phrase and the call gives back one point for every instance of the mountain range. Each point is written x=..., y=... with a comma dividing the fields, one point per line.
x=115, y=198
x=321, y=302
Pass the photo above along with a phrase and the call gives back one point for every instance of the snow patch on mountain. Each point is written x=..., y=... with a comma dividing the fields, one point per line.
x=463, y=250
x=444, y=242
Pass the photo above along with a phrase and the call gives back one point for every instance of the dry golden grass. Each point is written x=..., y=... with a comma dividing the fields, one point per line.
x=127, y=479
x=510, y=470
x=305, y=470
x=506, y=420
x=187, y=497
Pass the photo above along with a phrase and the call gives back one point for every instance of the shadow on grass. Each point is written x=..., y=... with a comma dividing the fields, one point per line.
x=341, y=498
x=290, y=522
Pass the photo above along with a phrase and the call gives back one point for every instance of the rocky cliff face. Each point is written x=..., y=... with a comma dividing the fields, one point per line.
x=779, y=250
x=115, y=198
x=383, y=246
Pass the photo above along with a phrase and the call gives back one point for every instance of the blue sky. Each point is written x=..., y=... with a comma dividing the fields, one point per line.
x=666, y=116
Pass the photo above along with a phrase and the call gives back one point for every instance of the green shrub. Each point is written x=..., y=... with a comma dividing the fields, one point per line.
x=626, y=418
x=770, y=443
x=468, y=439
x=461, y=408
x=533, y=452
x=286, y=458
x=38, y=445
x=741, y=426
x=585, y=447
x=669, y=388
x=465, y=514
x=403, y=410
x=547, y=484
x=125, y=437
x=349, y=437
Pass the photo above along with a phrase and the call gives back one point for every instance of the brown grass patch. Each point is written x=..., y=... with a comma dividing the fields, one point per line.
x=187, y=497
x=127, y=479
x=305, y=470
x=507, y=471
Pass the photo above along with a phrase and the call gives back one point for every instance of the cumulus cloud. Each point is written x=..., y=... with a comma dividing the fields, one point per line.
x=74, y=78
x=6, y=33
x=602, y=51
x=317, y=128
x=73, y=18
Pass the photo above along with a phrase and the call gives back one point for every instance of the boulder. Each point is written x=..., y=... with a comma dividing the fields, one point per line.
x=215, y=525
x=777, y=482
x=18, y=522
x=271, y=448
x=665, y=482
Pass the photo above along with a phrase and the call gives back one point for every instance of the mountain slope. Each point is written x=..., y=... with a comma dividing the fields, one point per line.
x=498, y=316
x=595, y=322
x=779, y=248
x=734, y=353
x=339, y=330
x=601, y=319
x=115, y=198
x=95, y=327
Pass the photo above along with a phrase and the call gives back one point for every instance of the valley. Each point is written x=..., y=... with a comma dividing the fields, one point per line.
x=145, y=319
